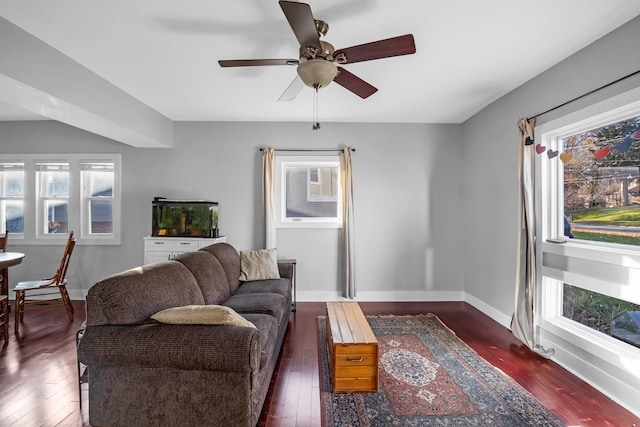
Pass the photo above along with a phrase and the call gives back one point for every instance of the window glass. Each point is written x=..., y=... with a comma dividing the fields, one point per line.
x=53, y=179
x=614, y=317
x=311, y=191
x=602, y=183
x=98, y=189
x=308, y=191
x=12, y=197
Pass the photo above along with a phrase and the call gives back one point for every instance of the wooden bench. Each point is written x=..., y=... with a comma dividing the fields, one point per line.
x=353, y=349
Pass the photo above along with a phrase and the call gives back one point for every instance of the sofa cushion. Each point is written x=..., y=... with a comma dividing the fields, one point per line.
x=268, y=328
x=201, y=315
x=131, y=297
x=278, y=286
x=209, y=274
x=229, y=258
x=264, y=303
x=259, y=265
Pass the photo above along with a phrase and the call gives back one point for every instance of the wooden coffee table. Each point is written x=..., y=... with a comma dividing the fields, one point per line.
x=353, y=349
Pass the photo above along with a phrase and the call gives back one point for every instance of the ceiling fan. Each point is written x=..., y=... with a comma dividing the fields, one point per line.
x=316, y=65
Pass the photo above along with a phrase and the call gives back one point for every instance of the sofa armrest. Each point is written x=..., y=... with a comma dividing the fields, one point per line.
x=190, y=347
x=286, y=268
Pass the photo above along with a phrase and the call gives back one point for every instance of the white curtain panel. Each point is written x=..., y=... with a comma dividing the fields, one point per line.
x=348, y=241
x=522, y=323
x=269, y=196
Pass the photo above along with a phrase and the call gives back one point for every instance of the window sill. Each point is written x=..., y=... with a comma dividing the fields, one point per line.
x=596, y=251
x=602, y=346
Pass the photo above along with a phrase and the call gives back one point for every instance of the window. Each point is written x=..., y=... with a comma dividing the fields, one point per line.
x=44, y=197
x=97, y=197
x=602, y=182
x=588, y=293
x=611, y=316
x=308, y=191
x=53, y=197
x=601, y=197
x=12, y=197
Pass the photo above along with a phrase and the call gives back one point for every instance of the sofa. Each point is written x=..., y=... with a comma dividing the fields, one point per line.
x=149, y=370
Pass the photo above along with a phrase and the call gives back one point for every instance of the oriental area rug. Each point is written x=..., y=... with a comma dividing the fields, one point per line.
x=428, y=377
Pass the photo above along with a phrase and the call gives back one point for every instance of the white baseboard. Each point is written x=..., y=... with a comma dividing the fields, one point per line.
x=498, y=316
x=408, y=296
x=382, y=296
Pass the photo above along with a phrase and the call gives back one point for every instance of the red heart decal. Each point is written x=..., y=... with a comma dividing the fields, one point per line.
x=551, y=153
x=602, y=153
x=540, y=148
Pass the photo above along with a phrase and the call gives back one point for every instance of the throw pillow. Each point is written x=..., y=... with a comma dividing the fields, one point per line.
x=259, y=265
x=201, y=315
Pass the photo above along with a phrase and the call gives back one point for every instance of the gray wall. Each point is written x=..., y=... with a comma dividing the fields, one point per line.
x=490, y=152
x=407, y=187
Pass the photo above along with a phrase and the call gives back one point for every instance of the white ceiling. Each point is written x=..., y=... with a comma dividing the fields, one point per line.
x=164, y=52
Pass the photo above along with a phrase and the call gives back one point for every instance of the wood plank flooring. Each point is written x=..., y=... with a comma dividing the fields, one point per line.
x=39, y=386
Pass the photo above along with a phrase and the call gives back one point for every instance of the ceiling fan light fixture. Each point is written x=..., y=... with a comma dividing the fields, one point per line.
x=317, y=73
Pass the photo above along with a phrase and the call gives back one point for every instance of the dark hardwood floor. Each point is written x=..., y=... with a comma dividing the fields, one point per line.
x=39, y=384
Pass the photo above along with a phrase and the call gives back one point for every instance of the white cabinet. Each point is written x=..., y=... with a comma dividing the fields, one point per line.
x=164, y=248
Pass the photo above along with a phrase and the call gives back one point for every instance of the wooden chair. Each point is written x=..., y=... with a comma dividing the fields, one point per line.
x=3, y=242
x=4, y=317
x=57, y=284
x=3, y=248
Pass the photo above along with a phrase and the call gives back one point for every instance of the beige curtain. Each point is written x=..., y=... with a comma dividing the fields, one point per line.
x=269, y=196
x=348, y=243
x=522, y=323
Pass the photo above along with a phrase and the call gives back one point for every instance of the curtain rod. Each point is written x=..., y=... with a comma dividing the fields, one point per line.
x=585, y=94
x=306, y=149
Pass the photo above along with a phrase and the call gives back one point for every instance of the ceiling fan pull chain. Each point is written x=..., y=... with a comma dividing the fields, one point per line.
x=316, y=123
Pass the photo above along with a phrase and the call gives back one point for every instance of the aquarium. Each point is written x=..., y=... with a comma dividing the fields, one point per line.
x=184, y=218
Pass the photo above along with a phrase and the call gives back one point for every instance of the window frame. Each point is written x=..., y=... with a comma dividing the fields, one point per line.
x=86, y=198
x=34, y=216
x=607, y=268
x=308, y=161
x=42, y=197
x=4, y=198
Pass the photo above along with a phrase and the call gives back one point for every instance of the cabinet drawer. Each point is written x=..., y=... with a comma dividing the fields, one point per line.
x=172, y=245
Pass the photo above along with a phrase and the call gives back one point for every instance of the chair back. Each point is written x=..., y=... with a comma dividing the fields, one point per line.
x=3, y=242
x=66, y=257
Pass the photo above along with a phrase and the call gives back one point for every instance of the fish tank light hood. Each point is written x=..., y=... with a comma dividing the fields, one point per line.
x=183, y=218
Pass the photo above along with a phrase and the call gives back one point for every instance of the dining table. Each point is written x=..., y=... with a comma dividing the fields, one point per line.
x=8, y=259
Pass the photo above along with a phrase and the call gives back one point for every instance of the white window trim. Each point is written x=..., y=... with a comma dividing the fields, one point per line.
x=32, y=235
x=307, y=160
x=40, y=211
x=115, y=199
x=610, y=269
x=4, y=199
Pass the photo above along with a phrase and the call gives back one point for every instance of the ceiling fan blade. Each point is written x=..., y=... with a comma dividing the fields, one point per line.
x=302, y=23
x=256, y=62
x=354, y=83
x=395, y=46
x=293, y=90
